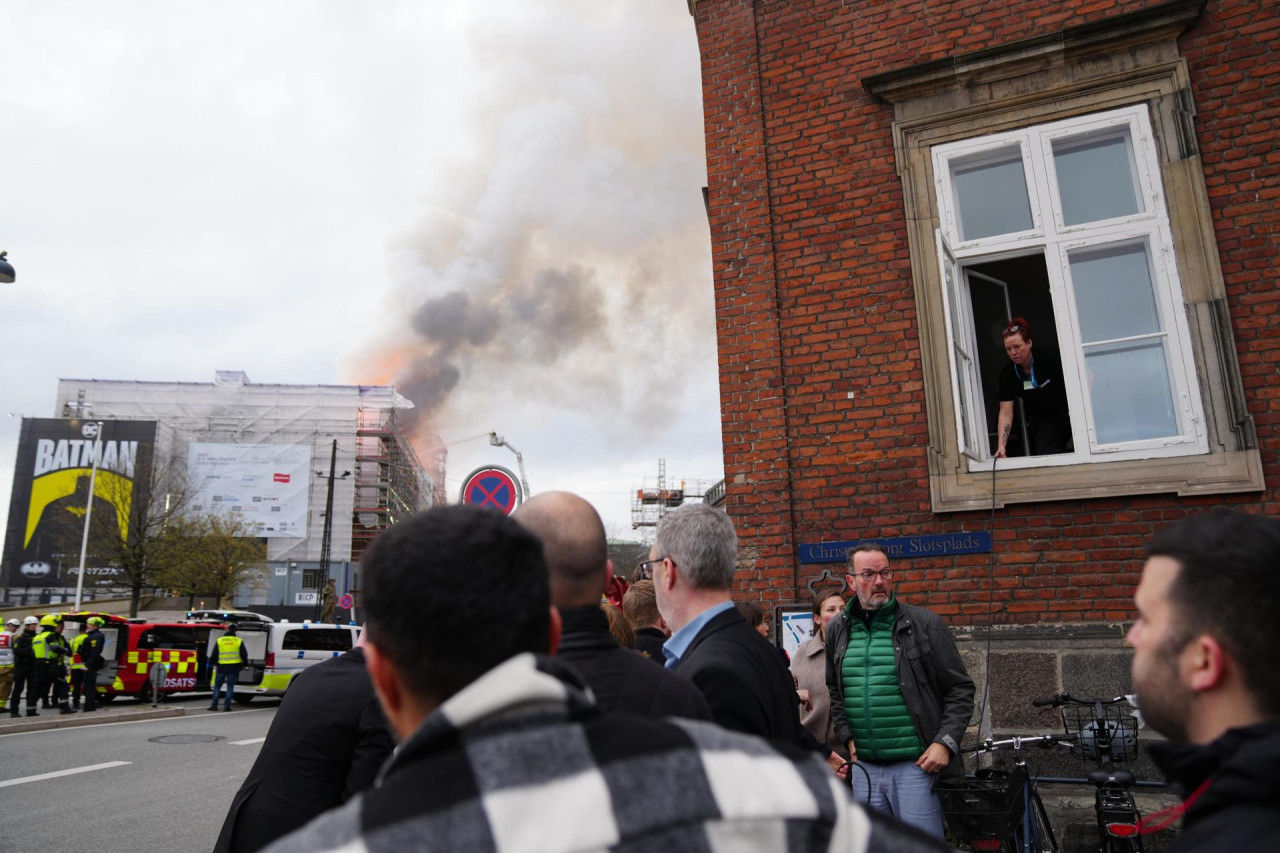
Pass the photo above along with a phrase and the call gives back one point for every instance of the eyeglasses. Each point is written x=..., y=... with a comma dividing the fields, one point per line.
x=646, y=568
x=868, y=576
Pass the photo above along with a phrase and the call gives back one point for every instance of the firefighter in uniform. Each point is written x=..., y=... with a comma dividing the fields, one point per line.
x=7, y=638
x=91, y=645
x=77, y=668
x=49, y=650
x=23, y=667
x=231, y=656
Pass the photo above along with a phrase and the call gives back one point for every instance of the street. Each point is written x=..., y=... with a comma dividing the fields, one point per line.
x=122, y=790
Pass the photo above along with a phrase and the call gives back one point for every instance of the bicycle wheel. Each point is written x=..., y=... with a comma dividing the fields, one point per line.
x=1042, y=829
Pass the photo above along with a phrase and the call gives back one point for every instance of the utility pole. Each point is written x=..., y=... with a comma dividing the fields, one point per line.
x=326, y=541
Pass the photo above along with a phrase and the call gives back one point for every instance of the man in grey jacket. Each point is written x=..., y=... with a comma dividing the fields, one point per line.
x=900, y=694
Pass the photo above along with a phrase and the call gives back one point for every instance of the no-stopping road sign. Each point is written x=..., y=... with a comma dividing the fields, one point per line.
x=492, y=486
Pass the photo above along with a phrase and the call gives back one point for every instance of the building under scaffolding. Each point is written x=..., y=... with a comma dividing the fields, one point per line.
x=385, y=480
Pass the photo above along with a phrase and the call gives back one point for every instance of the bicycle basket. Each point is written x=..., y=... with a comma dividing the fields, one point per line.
x=1115, y=734
x=985, y=807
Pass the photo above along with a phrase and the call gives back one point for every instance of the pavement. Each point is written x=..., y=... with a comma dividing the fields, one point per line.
x=133, y=784
x=50, y=718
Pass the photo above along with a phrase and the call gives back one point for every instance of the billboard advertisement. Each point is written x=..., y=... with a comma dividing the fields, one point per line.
x=51, y=494
x=266, y=485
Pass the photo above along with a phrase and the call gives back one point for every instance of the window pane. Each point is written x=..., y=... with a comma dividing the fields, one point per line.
x=317, y=639
x=1095, y=178
x=1130, y=390
x=991, y=192
x=1113, y=292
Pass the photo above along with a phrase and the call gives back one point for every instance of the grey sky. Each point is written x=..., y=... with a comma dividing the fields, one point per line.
x=281, y=188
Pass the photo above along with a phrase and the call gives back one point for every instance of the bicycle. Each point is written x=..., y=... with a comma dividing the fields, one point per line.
x=1103, y=734
x=999, y=810
x=1004, y=812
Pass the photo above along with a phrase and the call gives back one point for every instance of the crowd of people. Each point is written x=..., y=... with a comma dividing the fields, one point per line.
x=526, y=718
x=47, y=670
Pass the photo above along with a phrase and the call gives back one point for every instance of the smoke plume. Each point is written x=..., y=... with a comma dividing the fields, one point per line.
x=561, y=259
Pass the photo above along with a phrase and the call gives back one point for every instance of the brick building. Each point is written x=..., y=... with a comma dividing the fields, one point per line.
x=888, y=183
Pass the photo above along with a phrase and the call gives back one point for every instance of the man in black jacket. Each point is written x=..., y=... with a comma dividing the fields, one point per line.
x=1204, y=666
x=91, y=656
x=740, y=673
x=24, y=666
x=326, y=744
x=576, y=550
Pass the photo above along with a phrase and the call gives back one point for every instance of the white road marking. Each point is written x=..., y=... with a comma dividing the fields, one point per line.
x=54, y=775
x=246, y=742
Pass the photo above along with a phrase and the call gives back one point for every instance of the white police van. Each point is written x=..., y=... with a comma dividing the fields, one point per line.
x=278, y=651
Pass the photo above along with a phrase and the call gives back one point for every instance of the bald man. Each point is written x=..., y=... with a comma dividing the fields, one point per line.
x=577, y=555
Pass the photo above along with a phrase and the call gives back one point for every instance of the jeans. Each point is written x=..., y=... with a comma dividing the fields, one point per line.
x=902, y=790
x=228, y=676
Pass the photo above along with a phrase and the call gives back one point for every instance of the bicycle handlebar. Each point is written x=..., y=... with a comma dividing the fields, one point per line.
x=1067, y=699
x=1043, y=741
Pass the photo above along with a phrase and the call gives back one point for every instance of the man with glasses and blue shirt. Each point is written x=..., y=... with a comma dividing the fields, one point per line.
x=900, y=694
x=740, y=673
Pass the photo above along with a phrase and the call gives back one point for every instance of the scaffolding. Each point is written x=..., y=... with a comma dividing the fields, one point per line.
x=391, y=481
x=650, y=504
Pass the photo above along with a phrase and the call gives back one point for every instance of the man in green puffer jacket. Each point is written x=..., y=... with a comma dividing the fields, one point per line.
x=900, y=694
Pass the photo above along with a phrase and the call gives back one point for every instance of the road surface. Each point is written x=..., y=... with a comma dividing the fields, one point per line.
x=114, y=788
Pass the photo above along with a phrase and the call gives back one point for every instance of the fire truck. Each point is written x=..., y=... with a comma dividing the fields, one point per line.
x=133, y=646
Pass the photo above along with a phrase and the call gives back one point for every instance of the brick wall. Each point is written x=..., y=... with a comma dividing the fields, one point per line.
x=823, y=407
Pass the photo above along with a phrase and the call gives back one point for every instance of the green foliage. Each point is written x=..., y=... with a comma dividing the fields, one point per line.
x=207, y=555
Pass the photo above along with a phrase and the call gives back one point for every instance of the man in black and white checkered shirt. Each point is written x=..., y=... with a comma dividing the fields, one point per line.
x=503, y=749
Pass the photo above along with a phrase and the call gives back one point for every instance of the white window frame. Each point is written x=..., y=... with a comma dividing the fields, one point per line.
x=1052, y=237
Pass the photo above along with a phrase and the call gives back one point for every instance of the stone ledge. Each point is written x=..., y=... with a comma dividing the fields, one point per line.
x=53, y=720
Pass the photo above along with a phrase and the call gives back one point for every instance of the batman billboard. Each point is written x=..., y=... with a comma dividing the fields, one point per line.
x=51, y=493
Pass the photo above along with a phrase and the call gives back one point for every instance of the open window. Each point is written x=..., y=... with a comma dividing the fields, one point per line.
x=1058, y=178
x=1072, y=211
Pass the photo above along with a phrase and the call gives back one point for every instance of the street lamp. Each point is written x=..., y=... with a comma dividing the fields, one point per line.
x=7, y=273
x=96, y=435
x=498, y=441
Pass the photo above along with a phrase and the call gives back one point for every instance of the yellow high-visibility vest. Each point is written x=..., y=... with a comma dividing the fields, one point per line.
x=40, y=645
x=229, y=651
x=77, y=662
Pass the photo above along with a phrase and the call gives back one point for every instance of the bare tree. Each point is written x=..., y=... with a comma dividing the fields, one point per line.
x=129, y=515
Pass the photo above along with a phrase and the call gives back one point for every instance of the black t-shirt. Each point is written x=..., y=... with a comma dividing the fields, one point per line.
x=1042, y=389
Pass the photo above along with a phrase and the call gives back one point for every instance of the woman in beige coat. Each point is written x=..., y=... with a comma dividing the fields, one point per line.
x=809, y=666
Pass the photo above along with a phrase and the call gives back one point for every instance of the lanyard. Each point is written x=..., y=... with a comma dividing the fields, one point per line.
x=1018, y=371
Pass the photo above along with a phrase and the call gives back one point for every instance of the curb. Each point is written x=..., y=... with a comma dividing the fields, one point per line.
x=70, y=721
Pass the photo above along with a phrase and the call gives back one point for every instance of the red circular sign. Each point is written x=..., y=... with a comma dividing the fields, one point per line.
x=492, y=486
x=345, y=602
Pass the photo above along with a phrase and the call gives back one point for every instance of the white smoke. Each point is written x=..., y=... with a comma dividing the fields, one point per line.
x=561, y=260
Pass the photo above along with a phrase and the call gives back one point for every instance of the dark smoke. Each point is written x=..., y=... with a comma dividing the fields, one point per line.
x=453, y=320
x=538, y=321
x=558, y=312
